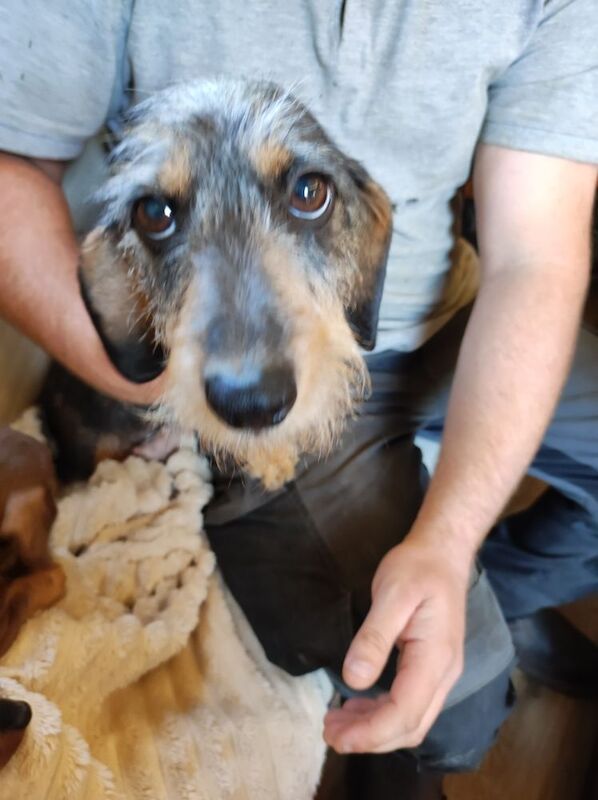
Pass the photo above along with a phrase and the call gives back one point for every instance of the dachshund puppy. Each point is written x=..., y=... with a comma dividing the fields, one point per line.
x=241, y=251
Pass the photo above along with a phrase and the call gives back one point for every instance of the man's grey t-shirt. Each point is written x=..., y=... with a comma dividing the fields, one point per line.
x=408, y=87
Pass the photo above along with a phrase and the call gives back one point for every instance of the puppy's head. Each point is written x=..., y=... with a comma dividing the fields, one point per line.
x=241, y=251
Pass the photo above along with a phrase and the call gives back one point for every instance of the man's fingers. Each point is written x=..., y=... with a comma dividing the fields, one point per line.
x=426, y=666
x=363, y=705
x=373, y=642
x=366, y=731
x=339, y=721
x=420, y=604
x=413, y=735
x=402, y=718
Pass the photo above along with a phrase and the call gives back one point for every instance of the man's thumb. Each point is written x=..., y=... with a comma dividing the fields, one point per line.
x=371, y=647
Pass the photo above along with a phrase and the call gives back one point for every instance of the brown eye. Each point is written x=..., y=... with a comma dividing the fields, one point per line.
x=311, y=197
x=154, y=217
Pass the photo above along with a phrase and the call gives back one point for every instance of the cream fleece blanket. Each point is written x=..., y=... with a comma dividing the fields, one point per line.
x=146, y=682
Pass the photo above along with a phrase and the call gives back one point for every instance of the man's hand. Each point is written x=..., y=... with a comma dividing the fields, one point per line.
x=534, y=216
x=418, y=604
x=39, y=288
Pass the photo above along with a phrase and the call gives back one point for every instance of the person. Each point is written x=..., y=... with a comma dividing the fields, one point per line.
x=422, y=94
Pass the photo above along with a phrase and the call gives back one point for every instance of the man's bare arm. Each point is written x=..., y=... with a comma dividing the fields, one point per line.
x=534, y=216
x=39, y=292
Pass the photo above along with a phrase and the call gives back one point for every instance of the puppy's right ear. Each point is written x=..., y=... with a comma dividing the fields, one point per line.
x=119, y=310
x=373, y=222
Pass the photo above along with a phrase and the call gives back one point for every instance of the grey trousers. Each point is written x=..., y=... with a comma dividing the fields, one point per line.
x=300, y=561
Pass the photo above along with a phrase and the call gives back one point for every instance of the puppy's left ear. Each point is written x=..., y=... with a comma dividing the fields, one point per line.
x=373, y=227
x=118, y=309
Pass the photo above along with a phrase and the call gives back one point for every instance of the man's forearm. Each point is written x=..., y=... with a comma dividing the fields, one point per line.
x=512, y=366
x=39, y=291
x=533, y=218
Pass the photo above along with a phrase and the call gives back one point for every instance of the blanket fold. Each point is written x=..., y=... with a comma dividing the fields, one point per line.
x=145, y=681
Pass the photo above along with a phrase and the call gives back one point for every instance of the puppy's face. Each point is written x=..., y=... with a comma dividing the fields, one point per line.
x=241, y=251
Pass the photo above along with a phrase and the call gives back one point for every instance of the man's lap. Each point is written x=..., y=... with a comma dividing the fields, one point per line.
x=301, y=562
x=574, y=427
x=547, y=555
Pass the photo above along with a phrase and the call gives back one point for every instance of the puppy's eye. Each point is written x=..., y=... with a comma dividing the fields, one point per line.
x=312, y=196
x=154, y=217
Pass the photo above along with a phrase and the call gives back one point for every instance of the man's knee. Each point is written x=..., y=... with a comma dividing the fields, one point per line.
x=483, y=696
x=300, y=563
x=463, y=733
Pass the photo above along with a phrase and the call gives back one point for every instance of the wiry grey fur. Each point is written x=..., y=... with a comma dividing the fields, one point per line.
x=241, y=281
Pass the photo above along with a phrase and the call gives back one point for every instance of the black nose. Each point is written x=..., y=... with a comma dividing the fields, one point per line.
x=256, y=400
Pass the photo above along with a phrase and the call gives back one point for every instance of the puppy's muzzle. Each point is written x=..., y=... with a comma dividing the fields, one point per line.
x=255, y=399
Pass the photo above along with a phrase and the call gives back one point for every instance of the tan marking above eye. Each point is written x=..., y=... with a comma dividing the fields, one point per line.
x=270, y=159
x=174, y=178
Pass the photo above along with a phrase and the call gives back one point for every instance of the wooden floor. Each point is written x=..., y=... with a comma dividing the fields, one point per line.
x=547, y=750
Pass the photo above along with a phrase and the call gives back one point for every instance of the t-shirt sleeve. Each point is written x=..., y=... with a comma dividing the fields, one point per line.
x=547, y=100
x=61, y=66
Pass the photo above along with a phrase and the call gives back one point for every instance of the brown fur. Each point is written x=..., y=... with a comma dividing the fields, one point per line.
x=332, y=379
x=112, y=287
x=175, y=175
x=29, y=581
x=270, y=159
